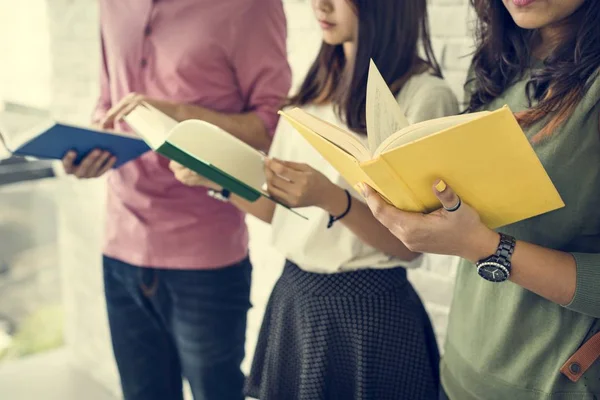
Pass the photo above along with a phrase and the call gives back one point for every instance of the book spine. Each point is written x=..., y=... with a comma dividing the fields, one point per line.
x=392, y=186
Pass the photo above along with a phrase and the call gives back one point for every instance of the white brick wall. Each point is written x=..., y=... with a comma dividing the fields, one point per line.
x=62, y=72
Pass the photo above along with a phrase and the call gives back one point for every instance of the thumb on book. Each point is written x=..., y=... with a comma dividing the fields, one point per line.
x=445, y=194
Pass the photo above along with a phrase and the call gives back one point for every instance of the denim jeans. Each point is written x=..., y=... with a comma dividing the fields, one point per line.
x=166, y=324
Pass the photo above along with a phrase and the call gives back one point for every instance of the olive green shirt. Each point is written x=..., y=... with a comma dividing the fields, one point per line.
x=505, y=342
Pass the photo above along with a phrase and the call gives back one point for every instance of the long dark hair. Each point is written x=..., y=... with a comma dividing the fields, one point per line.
x=389, y=32
x=504, y=53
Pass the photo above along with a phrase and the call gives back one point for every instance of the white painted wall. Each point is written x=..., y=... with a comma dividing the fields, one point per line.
x=51, y=57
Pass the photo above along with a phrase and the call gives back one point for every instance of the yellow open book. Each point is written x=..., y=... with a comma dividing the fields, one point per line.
x=485, y=157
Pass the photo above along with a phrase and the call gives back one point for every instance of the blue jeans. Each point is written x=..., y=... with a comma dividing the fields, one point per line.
x=166, y=324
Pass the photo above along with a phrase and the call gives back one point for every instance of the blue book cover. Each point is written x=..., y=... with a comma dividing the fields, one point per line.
x=26, y=132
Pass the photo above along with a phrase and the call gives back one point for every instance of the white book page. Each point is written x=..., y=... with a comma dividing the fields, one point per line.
x=19, y=124
x=149, y=125
x=383, y=113
x=167, y=122
x=215, y=146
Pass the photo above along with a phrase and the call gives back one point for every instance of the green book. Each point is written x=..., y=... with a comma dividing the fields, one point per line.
x=205, y=149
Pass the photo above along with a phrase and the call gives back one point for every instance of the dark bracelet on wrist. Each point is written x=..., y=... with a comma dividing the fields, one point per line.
x=333, y=219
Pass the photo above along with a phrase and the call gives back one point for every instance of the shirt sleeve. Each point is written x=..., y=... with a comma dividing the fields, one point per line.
x=587, y=292
x=432, y=101
x=260, y=59
x=104, y=102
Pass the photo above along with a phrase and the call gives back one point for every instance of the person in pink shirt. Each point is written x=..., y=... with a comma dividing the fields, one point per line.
x=176, y=267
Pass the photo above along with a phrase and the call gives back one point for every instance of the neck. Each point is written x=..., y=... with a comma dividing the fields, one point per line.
x=551, y=36
x=349, y=52
x=549, y=39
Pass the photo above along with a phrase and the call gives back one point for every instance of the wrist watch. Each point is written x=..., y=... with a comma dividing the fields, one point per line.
x=221, y=195
x=496, y=268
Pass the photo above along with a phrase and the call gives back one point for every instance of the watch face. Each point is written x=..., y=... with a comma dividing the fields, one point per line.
x=493, y=271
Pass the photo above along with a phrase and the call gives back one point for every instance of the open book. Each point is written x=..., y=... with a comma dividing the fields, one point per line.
x=205, y=149
x=485, y=157
x=27, y=131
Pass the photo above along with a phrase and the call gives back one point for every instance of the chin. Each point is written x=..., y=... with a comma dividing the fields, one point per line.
x=529, y=21
x=332, y=40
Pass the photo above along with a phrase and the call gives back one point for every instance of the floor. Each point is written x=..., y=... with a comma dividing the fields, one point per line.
x=48, y=377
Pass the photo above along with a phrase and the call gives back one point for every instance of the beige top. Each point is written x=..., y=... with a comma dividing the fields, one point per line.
x=309, y=244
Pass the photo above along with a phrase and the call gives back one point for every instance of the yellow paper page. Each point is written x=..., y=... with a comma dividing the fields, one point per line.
x=488, y=162
x=342, y=139
x=343, y=162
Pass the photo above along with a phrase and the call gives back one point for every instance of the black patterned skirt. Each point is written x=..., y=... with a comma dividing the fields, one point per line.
x=354, y=335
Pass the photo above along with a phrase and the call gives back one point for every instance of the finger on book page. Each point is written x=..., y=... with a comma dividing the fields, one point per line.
x=293, y=165
x=275, y=179
x=279, y=194
x=282, y=170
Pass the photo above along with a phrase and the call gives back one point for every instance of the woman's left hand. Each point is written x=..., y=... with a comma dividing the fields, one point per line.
x=300, y=185
x=460, y=233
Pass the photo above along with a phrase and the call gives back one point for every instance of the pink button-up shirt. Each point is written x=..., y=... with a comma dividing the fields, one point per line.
x=226, y=55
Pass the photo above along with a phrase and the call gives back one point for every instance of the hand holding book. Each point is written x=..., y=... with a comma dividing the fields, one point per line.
x=93, y=165
x=300, y=185
x=129, y=103
x=485, y=156
x=460, y=232
x=292, y=184
x=191, y=178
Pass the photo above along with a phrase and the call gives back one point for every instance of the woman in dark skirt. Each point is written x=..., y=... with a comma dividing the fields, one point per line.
x=343, y=321
x=354, y=335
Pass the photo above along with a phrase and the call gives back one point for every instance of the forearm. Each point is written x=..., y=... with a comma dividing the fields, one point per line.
x=549, y=273
x=262, y=208
x=362, y=223
x=246, y=126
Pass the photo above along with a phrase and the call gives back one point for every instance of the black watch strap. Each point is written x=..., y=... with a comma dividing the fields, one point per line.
x=506, y=247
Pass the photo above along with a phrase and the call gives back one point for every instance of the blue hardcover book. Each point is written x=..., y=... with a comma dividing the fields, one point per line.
x=28, y=132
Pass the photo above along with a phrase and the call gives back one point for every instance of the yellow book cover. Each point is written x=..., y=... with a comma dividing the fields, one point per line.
x=485, y=157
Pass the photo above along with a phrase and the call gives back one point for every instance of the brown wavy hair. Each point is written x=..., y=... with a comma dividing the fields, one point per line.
x=390, y=32
x=504, y=54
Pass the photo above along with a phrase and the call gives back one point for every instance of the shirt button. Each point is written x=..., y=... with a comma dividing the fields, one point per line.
x=575, y=368
x=143, y=63
x=147, y=31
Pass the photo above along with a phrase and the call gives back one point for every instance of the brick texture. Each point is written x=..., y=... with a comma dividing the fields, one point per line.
x=62, y=73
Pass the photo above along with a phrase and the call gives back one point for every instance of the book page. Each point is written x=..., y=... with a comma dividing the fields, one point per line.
x=19, y=124
x=150, y=124
x=167, y=122
x=423, y=129
x=212, y=145
x=333, y=134
x=489, y=163
x=383, y=113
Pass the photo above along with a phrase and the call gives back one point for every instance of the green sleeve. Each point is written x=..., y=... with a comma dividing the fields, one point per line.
x=468, y=87
x=587, y=293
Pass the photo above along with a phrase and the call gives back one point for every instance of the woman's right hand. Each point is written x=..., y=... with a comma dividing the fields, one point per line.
x=190, y=178
x=94, y=165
